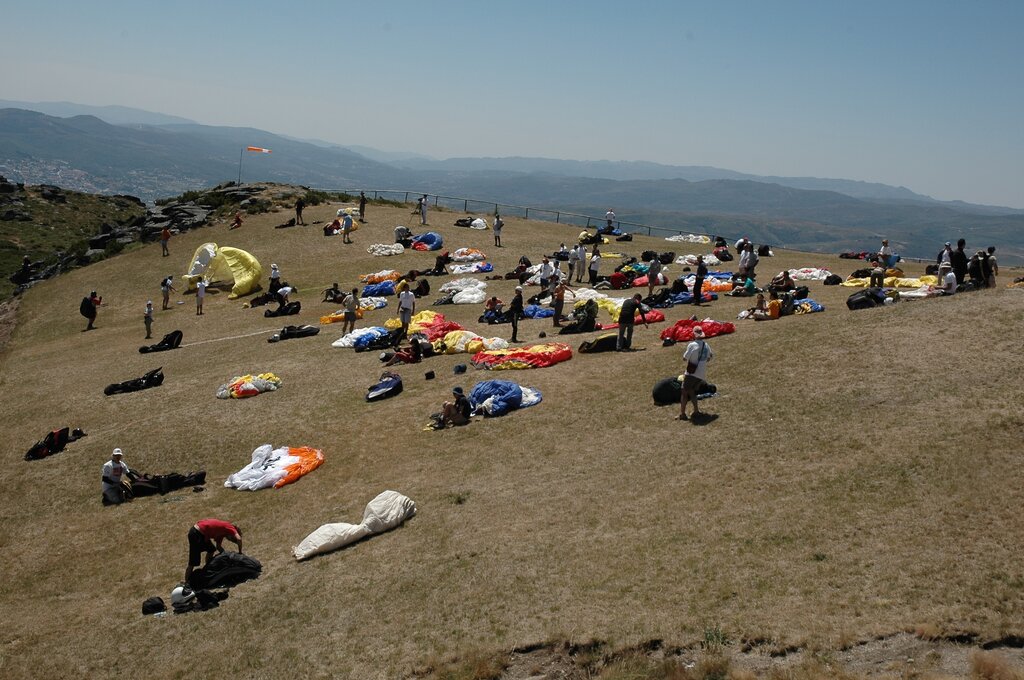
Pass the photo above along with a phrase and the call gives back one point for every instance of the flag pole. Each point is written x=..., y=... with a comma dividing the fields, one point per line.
x=240, y=152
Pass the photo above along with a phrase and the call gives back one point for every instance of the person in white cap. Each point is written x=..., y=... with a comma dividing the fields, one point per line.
x=516, y=311
x=115, y=478
x=275, y=278
x=696, y=356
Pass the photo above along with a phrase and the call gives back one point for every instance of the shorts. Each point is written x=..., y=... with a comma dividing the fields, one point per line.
x=404, y=315
x=197, y=545
x=691, y=383
x=350, y=316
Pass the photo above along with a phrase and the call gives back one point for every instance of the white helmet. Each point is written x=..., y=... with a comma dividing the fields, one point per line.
x=182, y=595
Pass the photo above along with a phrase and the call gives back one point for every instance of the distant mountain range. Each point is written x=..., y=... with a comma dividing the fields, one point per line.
x=151, y=155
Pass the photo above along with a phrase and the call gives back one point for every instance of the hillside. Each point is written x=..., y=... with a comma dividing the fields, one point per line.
x=85, y=153
x=862, y=481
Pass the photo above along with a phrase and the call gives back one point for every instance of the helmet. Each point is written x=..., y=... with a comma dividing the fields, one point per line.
x=182, y=595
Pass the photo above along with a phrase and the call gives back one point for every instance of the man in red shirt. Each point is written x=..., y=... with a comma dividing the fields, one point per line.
x=206, y=535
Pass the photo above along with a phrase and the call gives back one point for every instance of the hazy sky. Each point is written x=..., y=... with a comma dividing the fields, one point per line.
x=926, y=94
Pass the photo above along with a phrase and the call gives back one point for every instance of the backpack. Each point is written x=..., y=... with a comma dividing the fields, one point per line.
x=153, y=605
x=87, y=308
x=389, y=385
x=833, y=280
x=800, y=293
x=862, y=299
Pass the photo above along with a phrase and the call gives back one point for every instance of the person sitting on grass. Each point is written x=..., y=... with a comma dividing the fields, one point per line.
x=746, y=289
x=412, y=354
x=773, y=310
x=782, y=282
x=456, y=412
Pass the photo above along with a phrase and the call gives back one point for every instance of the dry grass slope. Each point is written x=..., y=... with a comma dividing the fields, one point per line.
x=864, y=478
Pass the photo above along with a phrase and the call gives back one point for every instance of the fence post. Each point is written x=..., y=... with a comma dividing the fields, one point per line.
x=527, y=214
x=406, y=197
x=465, y=205
x=558, y=217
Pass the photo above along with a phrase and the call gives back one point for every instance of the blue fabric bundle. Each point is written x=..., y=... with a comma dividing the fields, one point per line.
x=538, y=312
x=382, y=289
x=505, y=396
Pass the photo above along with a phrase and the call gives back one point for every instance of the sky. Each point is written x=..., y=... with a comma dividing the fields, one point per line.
x=923, y=94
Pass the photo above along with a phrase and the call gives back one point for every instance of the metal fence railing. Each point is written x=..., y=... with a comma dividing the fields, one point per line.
x=472, y=205
x=477, y=206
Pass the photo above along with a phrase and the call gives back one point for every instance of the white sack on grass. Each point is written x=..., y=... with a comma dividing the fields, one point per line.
x=349, y=339
x=383, y=513
x=691, y=260
x=809, y=274
x=478, y=223
x=462, y=284
x=688, y=238
x=469, y=296
x=384, y=249
x=468, y=255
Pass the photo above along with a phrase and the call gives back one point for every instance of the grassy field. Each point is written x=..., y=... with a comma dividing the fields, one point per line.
x=863, y=477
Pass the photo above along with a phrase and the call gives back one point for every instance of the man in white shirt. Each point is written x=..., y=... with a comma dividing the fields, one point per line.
x=200, y=294
x=610, y=219
x=406, y=308
x=885, y=253
x=546, y=271
x=696, y=356
x=581, y=257
x=115, y=471
x=574, y=257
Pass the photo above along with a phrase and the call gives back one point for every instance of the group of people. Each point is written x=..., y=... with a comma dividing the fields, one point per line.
x=955, y=267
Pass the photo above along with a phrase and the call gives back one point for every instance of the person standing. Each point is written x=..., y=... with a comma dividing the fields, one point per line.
x=697, y=355
x=362, y=206
x=748, y=261
x=627, y=319
x=498, y=224
x=516, y=312
x=987, y=278
x=958, y=258
x=147, y=318
x=595, y=264
x=275, y=278
x=114, y=477
x=546, y=272
x=165, y=236
x=698, y=284
x=166, y=286
x=205, y=536
x=351, y=304
x=574, y=258
x=993, y=267
x=423, y=209
x=945, y=255
x=406, y=308
x=558, y=294
x=581, y=257
x=300, y=204
x=200, y=294
x=346, y=228
x=609, y=220
x=885, y=253
x=653, y=275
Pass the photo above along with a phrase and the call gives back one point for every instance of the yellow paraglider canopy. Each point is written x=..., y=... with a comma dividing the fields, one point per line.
x=220, y=262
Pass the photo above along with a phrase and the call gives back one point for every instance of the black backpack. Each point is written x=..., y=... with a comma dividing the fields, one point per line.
x=800, y=293
x=87, y=308
x=833, y=280
x=153, y=605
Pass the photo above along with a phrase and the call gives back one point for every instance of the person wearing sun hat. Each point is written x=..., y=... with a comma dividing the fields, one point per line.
x=947, y=279
x=696, y=356
x=456, y=412
x=114, y=477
